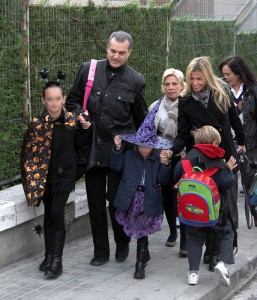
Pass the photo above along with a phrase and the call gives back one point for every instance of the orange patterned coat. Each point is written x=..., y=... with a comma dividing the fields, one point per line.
x=36, y=154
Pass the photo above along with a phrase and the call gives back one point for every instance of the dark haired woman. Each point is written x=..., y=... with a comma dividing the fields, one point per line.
x=243, y=87
x=48, y=168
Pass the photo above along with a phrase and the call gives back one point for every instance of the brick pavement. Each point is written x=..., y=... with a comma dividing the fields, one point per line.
x=166, y=273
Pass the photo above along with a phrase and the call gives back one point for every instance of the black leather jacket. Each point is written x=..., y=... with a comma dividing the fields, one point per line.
x=116, y=105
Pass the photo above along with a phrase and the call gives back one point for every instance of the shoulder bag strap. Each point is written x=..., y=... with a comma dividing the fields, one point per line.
x=90, y=81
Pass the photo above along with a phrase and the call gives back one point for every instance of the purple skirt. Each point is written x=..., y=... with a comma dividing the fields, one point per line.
x=134, y=222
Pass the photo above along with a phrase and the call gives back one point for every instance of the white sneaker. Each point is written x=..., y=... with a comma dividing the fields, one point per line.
x=193, y=278
x=222, y=271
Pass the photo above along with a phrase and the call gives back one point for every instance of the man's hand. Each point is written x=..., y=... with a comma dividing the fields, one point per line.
x=83, y=122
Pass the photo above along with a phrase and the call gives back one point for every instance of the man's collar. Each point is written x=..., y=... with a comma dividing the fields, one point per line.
x=115, y=70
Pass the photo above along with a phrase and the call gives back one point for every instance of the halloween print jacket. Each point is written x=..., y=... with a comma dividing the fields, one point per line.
x=37, y=149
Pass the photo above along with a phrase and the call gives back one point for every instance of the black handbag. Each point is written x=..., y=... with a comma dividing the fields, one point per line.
x=82, y=146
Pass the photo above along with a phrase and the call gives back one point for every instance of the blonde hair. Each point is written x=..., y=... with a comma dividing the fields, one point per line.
x=217, y=86
x=206, y=135
x=173, y=72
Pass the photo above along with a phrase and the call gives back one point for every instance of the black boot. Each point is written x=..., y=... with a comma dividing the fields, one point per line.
x=143, y=256
x=147, y=255
x=48, y=235
x=56, y=267
x=213, y=262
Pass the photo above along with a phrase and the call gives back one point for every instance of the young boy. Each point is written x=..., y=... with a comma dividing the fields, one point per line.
x=207, y=155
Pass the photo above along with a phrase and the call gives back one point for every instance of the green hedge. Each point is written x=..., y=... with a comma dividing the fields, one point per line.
x=194, y=38
x=11, y=88
x=246, y=46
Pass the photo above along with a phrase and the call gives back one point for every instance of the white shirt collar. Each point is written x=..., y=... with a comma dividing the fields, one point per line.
x=237, y=94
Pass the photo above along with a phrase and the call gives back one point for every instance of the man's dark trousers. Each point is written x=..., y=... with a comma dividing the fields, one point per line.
x=101, y=184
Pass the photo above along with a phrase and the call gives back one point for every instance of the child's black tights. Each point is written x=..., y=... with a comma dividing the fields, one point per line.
x=143, y=240
x=54, y=209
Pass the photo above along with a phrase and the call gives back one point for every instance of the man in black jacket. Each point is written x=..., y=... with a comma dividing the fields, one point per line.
x=116, y=105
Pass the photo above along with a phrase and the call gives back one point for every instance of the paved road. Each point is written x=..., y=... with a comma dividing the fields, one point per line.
x=166, y=273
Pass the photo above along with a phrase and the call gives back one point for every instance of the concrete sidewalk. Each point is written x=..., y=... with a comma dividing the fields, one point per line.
x=166, y=273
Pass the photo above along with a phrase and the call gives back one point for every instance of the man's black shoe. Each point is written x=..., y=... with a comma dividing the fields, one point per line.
x=98, y=261
x=121, y=254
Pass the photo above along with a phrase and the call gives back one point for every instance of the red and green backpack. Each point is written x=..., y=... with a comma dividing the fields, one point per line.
x=198, y=200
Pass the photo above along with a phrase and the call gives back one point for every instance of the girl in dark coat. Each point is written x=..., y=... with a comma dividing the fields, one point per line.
x=205, y=101
x=138, y=200
x=48, y=169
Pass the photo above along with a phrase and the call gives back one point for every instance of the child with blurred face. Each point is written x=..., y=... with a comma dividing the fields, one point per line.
x=138, y=200
x=48, y=168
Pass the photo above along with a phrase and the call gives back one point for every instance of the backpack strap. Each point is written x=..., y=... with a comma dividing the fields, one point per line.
x=187, y=166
